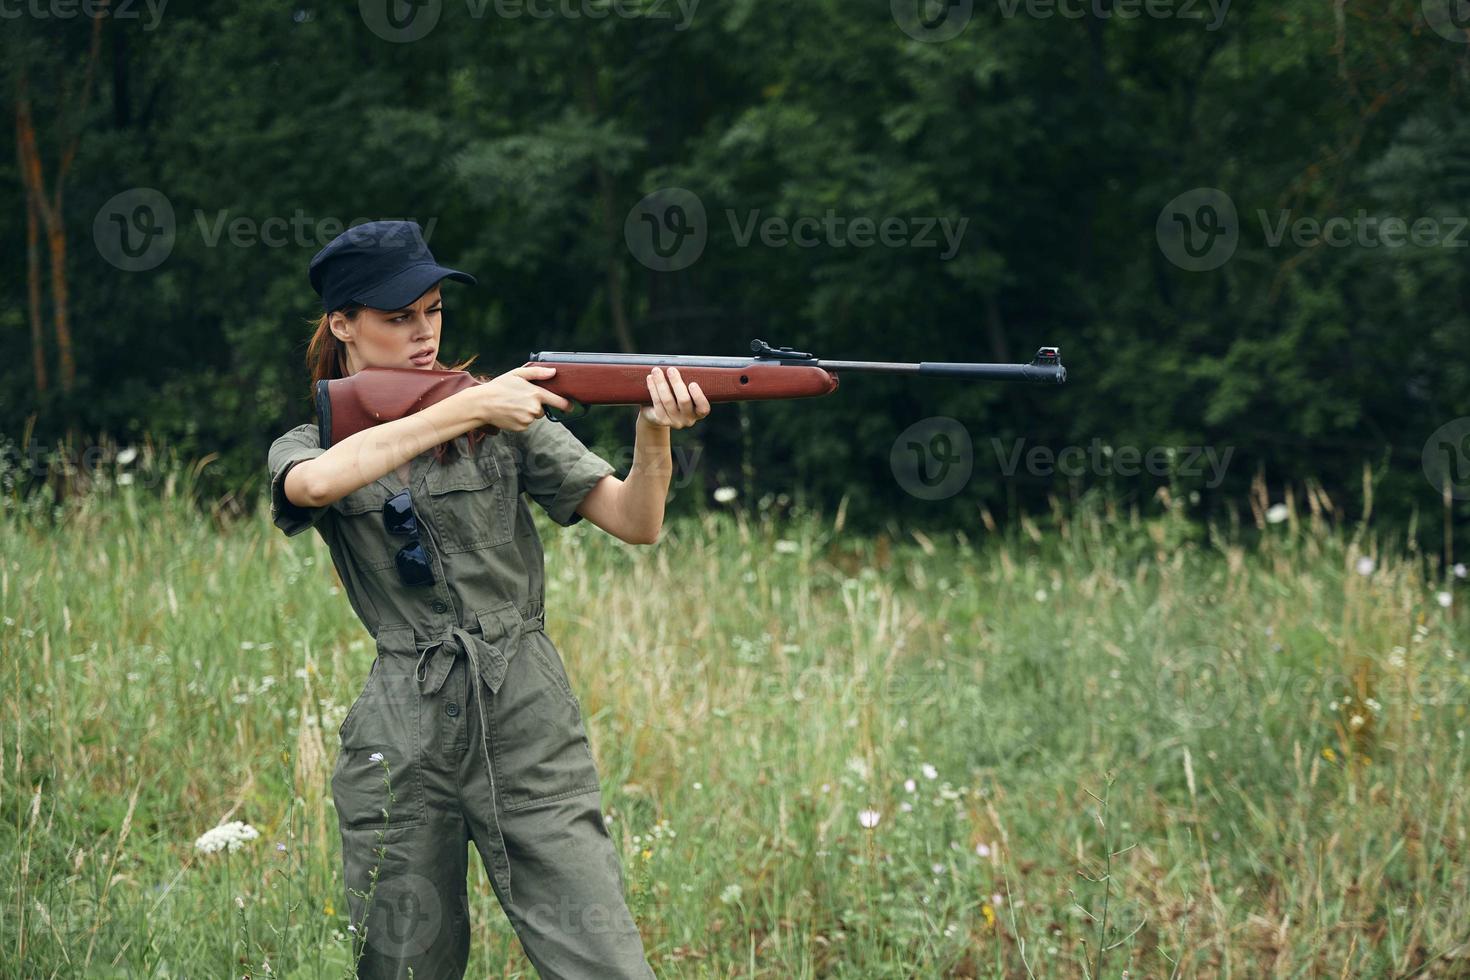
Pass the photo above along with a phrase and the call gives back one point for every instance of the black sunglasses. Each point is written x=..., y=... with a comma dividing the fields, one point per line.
x=413, y=562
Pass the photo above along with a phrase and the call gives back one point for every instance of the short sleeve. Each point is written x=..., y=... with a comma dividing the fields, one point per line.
x=301, y=443
x=557, y=470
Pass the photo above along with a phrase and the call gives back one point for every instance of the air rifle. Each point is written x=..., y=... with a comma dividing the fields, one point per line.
x=375, y=395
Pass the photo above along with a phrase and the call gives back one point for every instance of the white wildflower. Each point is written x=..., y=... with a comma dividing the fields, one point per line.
x=1460, y=569
x=869, y=818
x=929, y=771
x=905, y=807
x=1040, y=595
x=909, y=785
x=1356, y=721
x=1276, y=513
x=982, y=849
x=127, y=455
x=937, y=868
x=376, y=757
x=730, y=894
x=724, y=495
x=227, y=835
x=858, y=766
x=1444, y=599
x=1365, y=565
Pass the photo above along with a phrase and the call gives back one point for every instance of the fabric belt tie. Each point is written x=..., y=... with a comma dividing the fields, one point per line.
x=488, y=659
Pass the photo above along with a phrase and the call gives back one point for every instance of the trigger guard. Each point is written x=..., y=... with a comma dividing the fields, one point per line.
x=555, y=416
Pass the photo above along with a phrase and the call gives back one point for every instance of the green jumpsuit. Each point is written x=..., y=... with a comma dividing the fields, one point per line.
x=469, y=708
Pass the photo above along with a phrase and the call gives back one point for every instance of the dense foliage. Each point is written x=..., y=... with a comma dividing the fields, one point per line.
x=1060, y=154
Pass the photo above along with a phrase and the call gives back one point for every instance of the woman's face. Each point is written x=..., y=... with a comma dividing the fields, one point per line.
x=391, y=338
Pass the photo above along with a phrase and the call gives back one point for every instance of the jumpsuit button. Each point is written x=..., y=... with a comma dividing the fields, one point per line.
x=439, y=606
x=451, y=709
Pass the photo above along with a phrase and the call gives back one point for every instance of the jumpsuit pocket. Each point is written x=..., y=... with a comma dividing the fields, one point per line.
x=360, y=522
x=473, y=504
x=542, y=752
x=384, y=721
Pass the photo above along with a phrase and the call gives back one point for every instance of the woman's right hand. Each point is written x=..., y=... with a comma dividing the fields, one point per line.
x=511, y=401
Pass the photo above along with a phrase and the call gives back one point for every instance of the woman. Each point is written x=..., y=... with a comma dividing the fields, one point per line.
x=467, y=728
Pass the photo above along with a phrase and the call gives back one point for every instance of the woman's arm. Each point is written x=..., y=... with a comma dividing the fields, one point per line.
x=509, y=401
x=633, y=509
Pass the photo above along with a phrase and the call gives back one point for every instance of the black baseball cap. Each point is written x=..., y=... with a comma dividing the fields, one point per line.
x=382, y=264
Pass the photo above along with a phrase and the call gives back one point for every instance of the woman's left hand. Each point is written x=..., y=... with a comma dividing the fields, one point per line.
x=674, y=406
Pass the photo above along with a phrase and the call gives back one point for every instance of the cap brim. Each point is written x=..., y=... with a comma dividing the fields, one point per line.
x=403, y=289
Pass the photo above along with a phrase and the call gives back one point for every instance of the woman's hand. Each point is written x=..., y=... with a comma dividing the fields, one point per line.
x=674, y=406
x=510, y=401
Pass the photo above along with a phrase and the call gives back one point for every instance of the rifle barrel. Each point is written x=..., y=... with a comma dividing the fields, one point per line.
x=1046, y=369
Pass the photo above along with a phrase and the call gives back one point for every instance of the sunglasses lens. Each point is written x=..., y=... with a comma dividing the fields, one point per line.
x=413, y=565
x=398, y=516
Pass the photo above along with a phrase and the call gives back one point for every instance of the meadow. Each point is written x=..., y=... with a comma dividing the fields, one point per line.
x=1106, y=742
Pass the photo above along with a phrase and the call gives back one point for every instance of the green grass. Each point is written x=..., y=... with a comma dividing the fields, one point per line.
x=1140, y=751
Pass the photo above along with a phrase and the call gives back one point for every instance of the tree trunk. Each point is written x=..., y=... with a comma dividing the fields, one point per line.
x=49, y=211
x=33, y=296
x=61, y=317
